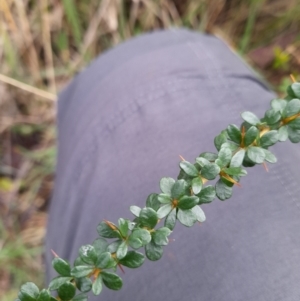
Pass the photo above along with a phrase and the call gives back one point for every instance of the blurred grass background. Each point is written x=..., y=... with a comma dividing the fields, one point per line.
x=43, y=43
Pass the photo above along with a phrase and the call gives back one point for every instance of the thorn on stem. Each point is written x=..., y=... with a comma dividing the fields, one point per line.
x=265, y=167
x=110, y=225
x=182, y=159
x=292, y=78
x=228, y=178
x=54, y=254
x=121, y=268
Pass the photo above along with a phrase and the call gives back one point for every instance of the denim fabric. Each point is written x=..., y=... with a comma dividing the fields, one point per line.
x=123, y=122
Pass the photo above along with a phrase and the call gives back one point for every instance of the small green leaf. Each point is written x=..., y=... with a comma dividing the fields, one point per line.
x=153, y=251
x=61, y=266
x=78, y=261
x=164, y=198
x=234, y=133
x=131, y=226
x=283, y=133
x=272, y=116
x=256, y=154
x=183, y=176
x=135, y=210
x=231, y=145
x=29, y=291
x=113, y=247
x=21, y=297
x=220, y=139
x=100, y=245
x=295, y=124
x=223, y=191
x=88, y=254
x=251, y=135
x=186, y=217
x=111, y=280
x=188, y=168
x=278, y=105
x=294, y=90
x=138, y=238
x=166, y=185
x=148, y=218
x=160, y=236
x=209, y=156
x=44, y=295
x=247, y=162
x=164, y=210
x=97, y=285
x=237, y=159
x=197, y=185
x=269, y=139
x=84, y=284
x=106, y=231
x=210, y=171
x=105, y=261
x=123, y=226
x=250, y=118
x=122, y=250
x=81, y=271
x=80, y=297
x=152, y=201
x=202, y=161
x=179, y=189
x=294, y=135
x=270, y=157
x=199, y=213
x=207, y=194
x=133, y=260
x=288, y=97
x=235, y=171
x=66, y=291
x=170, y=220
x=187, y=202
x=56, y=282
x=224, y=157
x=292, y=108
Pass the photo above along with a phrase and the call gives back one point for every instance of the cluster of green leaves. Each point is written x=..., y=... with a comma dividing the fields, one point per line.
x=179, y=200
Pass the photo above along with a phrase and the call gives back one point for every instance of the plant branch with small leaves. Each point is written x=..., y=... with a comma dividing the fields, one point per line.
x=179, y=200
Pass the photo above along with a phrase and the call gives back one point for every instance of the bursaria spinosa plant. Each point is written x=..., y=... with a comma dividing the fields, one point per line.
x=180, y=200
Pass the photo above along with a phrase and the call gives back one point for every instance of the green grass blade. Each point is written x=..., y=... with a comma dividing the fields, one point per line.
x=73, y=19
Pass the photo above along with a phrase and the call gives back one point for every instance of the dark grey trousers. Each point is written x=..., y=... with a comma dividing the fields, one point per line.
x=122, y=124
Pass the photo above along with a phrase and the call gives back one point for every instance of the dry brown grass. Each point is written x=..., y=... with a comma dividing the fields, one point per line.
x=43, y=43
